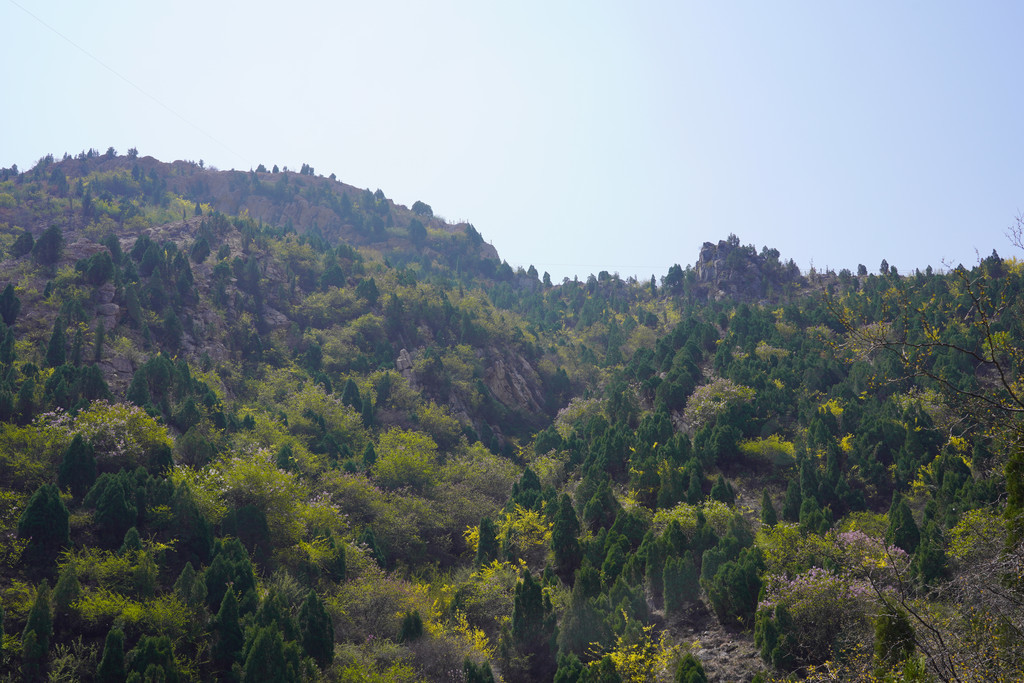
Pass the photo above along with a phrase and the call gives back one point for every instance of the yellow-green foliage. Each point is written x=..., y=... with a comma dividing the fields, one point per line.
x=527, y=533
x=712, y=399
x=575, y=413
x=789, y=552
x=716, y=513
x=979, y=534
x=11, y=505
x=165, y=614
x=871, y=523
x=28, y=454
x=405, y=458
x=772, y=450
x=338, y=418
x=333, y=307
x=437, y=421
x=766, y=352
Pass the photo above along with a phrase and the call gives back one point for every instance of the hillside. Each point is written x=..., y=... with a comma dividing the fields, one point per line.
x=266, y=421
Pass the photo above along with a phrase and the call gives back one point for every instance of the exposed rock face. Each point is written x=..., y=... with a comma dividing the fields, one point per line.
x=512, y=380
x=404, y=366
x=730, y=270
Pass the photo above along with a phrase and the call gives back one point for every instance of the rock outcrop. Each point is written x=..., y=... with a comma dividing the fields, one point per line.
x=727, y=269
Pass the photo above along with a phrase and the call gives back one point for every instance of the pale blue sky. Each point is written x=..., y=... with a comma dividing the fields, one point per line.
x=577, y=137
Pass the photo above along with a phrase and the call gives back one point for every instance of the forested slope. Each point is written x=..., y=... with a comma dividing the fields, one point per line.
x=267, y=424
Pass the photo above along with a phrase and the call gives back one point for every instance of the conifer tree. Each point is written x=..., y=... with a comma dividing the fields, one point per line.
x=228, y=640
x=35, y=639
x=316, y=630
x=78, y=467
x=564, y=542
x=10, y=305
x=529, y=646
x=56, y=353
x=477, y=673
x=153, y=659
x=791, y=504
x=267, y=658
x=44, y=524
x=112, y=669
x=690, y=670
x=487, y=548
x=902, y=531
x=65, y=593
x=768, y=516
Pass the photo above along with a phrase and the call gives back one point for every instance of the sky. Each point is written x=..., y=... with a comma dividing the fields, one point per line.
x=576, y=136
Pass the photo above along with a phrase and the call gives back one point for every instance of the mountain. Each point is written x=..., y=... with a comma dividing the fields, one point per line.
x=266, y=421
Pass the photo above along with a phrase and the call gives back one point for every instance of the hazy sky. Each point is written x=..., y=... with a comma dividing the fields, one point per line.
x=577, y=137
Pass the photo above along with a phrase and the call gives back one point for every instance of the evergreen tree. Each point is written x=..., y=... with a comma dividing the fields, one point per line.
x=902, y=531
x=564, y=542
x=316, y=630
x=190, y=587
x=894, y=638
x=228, y=640
x=65, y=593
x=768, y=516
x=78, y=467
x=487, y=549
x=477, y=673
x=267, y=658
x=722, y=491
x=152, y=659
x=56, y=353
x=44, y=524
x=411, y=628
x=791, y=504
x=35, y=639
x=528, y=648
x=10, y=305
x=112, y=668
x=690, y=670
x=350, y=396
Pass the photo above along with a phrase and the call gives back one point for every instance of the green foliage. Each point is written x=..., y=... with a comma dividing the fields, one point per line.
x=406, y=458
x=690, y=670
x=317, y=630
x=153, y=659
x=529, y=647
x=903, y=531
x=44, y=524
x=112, y=664
x=78, y=467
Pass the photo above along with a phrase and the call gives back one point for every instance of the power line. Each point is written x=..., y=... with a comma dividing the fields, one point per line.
x=127, y=80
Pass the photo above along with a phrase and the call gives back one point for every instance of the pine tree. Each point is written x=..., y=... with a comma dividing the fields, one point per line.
x=316, y=630
x=902, y=531
x=56, y=354
x=267, y=659
x=564, y=542
x=690, y=670
x=78, y=467
x=529, y=646
x=44, y=523
x=35, y=639
x=791, y=505
x=411, y=628
x=768, y=516
x=477, y=673
x=487, y=549
x=112, y=669
x=65, y=593
x=10, y=305
x=228, y=640
x=153, y=659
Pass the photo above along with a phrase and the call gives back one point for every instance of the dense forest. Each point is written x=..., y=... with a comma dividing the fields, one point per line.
x=267, y=426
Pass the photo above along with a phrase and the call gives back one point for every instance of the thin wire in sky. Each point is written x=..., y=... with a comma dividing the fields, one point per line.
x=127, y=80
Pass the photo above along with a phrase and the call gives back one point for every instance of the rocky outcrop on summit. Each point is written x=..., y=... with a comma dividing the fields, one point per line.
x=729, y=270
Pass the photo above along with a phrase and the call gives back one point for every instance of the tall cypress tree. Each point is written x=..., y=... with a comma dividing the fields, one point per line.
x=903, y=531
x=44, y=523
x=487, y=544
x=529, y=646
x=35, y=639
x=564, y=542
x=228, y=639
x=768, y=516
x=78, y=468
x=316, y=630
x=111, y=669
x=56, y=354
